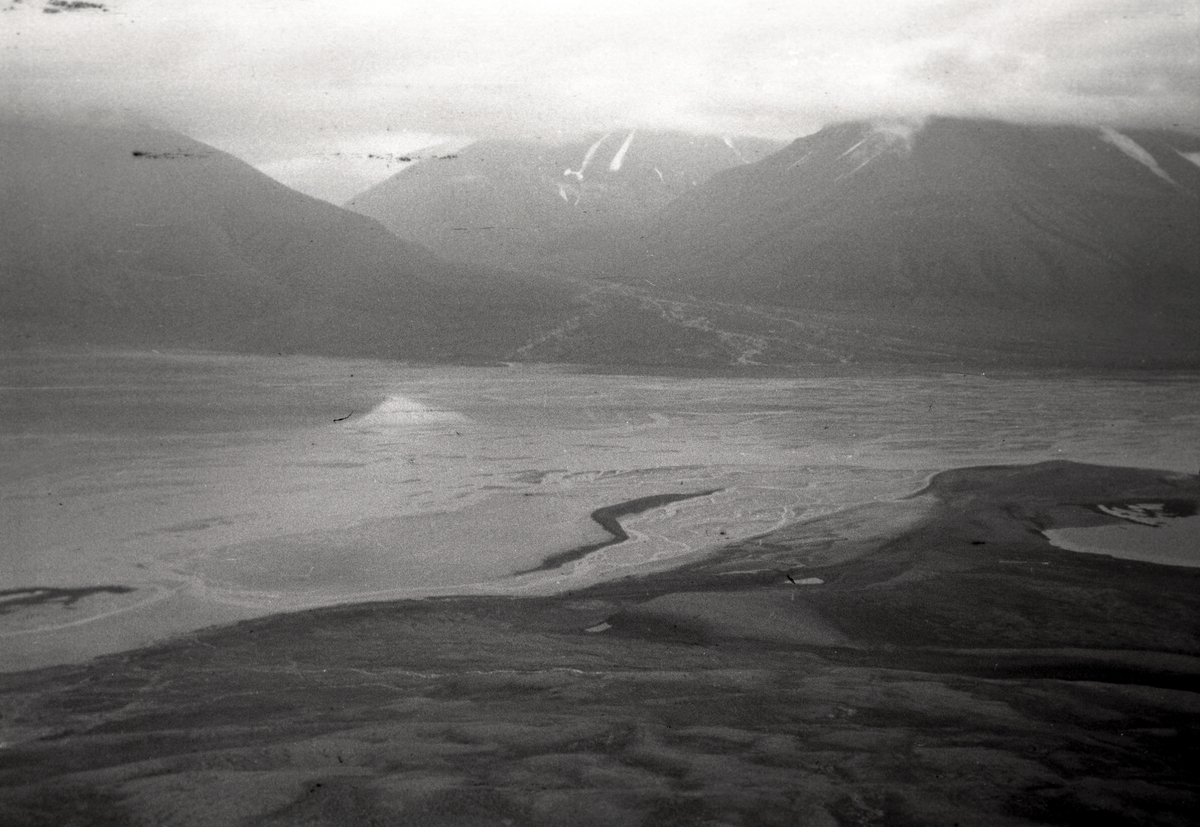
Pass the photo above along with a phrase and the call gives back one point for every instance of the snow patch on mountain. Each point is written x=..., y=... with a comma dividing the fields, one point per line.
x=883, y=139
x=1134, y=150
x=728, y=141
x=620, y=156
x=587, y=159
x=852, y=148
x=1194, y=157
x=801, y=160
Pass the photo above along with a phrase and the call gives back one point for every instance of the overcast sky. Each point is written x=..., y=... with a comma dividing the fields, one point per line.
x=308, y=89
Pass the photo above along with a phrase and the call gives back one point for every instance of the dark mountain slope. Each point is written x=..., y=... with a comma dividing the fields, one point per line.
x=565, y=206
x=143, y=237
x=964, y=243
x=1063, y=234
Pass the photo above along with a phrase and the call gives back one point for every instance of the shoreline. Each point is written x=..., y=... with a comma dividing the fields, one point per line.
x=956, y=668
x=607, y=518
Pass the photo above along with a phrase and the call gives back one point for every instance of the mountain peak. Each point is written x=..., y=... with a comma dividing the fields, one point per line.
x=125, y=235
x=955, y=219
x=549, y=205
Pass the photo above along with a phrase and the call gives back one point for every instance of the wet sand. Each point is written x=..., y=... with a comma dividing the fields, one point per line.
x=933, y=660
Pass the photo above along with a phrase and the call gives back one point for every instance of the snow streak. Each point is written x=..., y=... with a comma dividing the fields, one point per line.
x=729, y=143
x=620, y=156
x=587, y=159
x=1134, y=150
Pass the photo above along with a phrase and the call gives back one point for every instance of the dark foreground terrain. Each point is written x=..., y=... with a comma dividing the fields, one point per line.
x=956, y=669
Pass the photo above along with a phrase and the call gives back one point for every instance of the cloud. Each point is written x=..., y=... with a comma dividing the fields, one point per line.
x=1072, y=60
x=263, y=80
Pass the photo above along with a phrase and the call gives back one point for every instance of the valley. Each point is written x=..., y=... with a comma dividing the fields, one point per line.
x=631, y=478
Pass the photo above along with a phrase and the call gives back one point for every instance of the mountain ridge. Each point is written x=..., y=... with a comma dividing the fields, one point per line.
x=129, y=235
x=563, y=206
x=1046, y=225
x=938, y=171
x=965, y=243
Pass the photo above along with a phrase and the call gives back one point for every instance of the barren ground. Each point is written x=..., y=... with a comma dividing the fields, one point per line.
x=814, y=643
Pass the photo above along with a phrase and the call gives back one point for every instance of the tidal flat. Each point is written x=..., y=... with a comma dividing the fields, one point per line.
x=839, y=607
x=213, y=488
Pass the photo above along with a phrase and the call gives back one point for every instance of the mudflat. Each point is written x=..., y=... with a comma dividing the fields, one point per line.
x=933, y=660
x=145, y=495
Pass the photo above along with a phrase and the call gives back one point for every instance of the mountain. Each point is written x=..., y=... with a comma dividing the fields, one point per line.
x=957, y=243
x=559, y=206
x=1029, y=239
x=125, y=235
